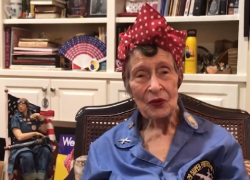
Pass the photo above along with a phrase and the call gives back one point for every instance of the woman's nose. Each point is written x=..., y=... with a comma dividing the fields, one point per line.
x=155, y=84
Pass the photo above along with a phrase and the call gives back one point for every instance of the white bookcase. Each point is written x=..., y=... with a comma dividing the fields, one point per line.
x=94, y=88
x=68, y=91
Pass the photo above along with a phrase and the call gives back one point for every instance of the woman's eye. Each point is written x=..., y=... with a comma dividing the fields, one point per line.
x=165, y=72
x=140, y=76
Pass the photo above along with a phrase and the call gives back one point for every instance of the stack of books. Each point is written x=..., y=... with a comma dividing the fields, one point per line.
x=48, y=9
x=232, y=59
x=35, y=53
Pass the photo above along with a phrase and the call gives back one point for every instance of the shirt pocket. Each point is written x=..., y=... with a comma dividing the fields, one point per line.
x=114, y=176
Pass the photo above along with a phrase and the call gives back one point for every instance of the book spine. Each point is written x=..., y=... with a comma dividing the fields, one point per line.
x=33, y=44
x=187, y=8
x=223, y=7
x=191, y=9
x=7, y=46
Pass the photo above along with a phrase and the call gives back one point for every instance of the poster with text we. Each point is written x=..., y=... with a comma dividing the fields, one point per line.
x=66, y=144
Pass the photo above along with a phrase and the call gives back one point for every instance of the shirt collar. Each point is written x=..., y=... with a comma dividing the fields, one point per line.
x=130, y=136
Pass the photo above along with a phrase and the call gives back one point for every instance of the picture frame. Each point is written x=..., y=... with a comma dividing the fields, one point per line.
x=97, y=8
x=77, y=8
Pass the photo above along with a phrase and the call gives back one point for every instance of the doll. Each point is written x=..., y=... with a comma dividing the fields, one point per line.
x=25, y=126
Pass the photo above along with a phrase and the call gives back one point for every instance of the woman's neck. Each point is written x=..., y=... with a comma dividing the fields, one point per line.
x=163, y=125
x=25, y=113
x=157, y=135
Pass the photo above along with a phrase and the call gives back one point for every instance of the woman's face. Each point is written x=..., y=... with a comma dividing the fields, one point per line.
x=154, y=84
x=22, y=107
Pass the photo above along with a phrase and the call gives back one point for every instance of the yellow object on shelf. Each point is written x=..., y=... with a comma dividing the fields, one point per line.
x=191, y=52
x=32, y=10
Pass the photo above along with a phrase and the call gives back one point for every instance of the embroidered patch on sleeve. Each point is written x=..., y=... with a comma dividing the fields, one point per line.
x=200, y=170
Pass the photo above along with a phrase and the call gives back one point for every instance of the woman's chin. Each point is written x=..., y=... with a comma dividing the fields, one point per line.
x=159, y=113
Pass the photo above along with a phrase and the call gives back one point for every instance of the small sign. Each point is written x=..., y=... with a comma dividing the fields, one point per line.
x=94, y=65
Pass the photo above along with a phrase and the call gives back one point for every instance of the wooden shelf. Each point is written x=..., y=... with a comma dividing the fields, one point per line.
x=215, y=78
x=186, y=19
x=119, y=20
x=114, y=75
x=57, y=21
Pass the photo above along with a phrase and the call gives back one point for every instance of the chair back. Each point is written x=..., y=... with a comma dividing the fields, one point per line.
x=235, y=121
x=93, y=121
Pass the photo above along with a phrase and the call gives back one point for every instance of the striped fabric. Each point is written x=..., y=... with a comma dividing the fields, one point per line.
x=50, y=128
x=50, y=131
x=68, y=161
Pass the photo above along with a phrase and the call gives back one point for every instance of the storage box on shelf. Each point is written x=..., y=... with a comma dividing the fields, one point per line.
x=92, y=88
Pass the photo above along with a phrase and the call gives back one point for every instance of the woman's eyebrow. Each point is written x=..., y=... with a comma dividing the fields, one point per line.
x=138, y=66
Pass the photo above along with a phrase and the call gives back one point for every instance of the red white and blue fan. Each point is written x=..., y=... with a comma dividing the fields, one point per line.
x=82, y=49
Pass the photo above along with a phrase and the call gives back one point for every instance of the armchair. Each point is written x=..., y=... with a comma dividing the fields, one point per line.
x=93, y=121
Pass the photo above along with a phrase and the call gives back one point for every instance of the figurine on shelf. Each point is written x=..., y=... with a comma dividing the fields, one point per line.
x=34, y=161
x=222, y=66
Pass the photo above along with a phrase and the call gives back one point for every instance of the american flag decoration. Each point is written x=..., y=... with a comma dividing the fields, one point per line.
x=12, y=107
x=82, y=49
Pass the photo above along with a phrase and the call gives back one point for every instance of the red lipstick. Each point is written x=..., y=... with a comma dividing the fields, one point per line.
x=157, y=102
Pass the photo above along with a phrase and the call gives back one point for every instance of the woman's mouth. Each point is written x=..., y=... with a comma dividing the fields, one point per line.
x=157, y=102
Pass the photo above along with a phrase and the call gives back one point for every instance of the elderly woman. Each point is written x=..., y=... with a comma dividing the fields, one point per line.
x=161, y=140
x=34, y=161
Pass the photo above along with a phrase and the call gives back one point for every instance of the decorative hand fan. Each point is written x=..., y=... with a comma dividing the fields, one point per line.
x=82, y=49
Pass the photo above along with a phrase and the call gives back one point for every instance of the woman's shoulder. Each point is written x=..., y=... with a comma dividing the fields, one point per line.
x=17, y=115
x=214, y=131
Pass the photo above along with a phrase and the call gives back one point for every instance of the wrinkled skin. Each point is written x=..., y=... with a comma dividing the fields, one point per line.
x=154, y=77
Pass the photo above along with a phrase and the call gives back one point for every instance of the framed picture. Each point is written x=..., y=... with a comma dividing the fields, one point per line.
x=97, y=8
x=77, y=8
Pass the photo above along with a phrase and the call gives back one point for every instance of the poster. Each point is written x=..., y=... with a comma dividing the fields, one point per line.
x=66, y=144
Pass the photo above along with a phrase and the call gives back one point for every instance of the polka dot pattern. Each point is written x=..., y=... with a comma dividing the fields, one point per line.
x=150, y=27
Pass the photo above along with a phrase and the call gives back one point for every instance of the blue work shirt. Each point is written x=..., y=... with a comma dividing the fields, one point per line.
x=200, y=150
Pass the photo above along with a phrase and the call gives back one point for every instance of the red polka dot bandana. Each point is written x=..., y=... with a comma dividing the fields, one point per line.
x=150, y=27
